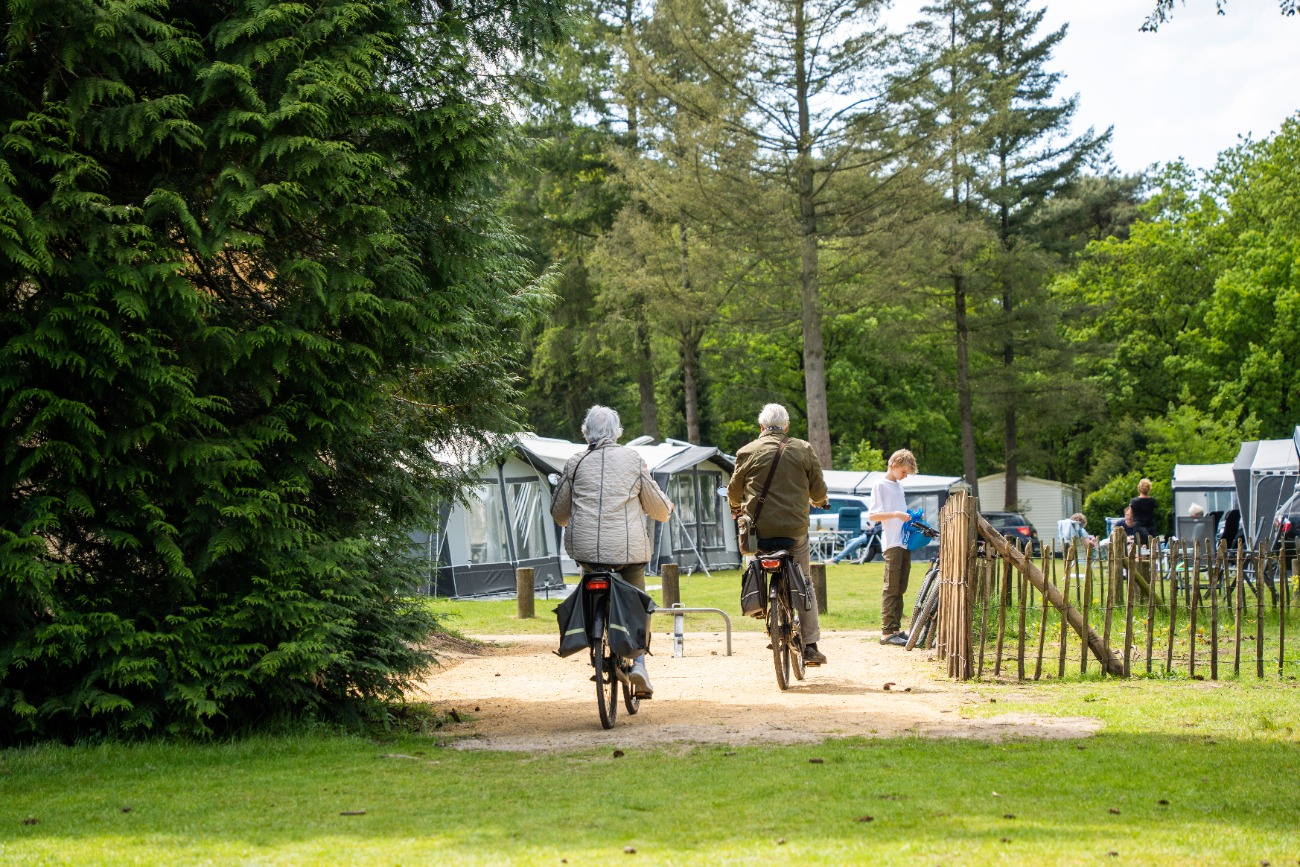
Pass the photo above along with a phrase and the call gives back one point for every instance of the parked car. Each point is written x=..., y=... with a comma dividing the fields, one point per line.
x=1286, y=525
x=1015, y=527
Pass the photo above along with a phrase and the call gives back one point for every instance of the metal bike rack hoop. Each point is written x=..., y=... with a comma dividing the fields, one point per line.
x=677, y=611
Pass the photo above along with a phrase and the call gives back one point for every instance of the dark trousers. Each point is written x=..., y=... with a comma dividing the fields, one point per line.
x=898, y=565
x=632, y=573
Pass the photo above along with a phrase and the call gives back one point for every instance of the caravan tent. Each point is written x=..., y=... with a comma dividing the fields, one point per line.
x=1210, y=486
x=473, y=548
x=1265, y=474
x=701, y=531
x=927, y=492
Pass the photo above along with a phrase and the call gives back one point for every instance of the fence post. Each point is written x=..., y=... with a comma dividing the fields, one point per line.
x=669, y=574
x=524, y=591
x=819, y=585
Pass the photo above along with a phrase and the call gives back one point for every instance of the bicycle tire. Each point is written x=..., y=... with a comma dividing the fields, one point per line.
x=630, y=700
x=927, y=584
x=776, y=615
x=921, y=625
x=795, y=644
x=873, y=550
x=606, y=680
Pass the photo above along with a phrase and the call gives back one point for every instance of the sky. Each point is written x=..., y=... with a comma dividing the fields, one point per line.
x=1188, y=90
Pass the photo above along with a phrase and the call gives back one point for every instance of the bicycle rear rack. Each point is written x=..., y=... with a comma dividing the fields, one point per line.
x=679, y=624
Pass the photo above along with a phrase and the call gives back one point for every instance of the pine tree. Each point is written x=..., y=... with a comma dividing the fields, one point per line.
x=250, y=273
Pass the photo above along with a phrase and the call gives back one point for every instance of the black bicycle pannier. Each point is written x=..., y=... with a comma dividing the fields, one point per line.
x=753, y=595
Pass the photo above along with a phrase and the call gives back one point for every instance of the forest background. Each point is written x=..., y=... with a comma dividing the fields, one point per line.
x=896, y=235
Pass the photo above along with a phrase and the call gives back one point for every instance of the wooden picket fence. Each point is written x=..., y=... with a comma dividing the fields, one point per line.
x=1119, y=609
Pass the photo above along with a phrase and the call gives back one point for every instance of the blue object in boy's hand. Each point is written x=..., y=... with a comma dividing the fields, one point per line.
x=916, y=532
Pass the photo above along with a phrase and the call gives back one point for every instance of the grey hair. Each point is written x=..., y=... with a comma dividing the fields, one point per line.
x=774, y=416
x=601, y=423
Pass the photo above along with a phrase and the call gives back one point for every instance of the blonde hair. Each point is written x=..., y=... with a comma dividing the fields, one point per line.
x=903, y=458
x=1144, y=488
x=1079, y=518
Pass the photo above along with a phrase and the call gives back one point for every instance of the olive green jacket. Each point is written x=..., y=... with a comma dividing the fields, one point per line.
x=798, y=482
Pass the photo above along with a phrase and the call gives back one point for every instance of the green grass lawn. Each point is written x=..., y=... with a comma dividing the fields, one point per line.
x=1222, y=759
x=853, y=596
x=1182, y=772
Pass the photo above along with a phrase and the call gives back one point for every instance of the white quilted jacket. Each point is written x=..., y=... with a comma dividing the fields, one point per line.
x=603, y=498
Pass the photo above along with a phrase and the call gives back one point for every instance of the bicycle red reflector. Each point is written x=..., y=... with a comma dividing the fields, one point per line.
x=771, y=564
x=597, y=584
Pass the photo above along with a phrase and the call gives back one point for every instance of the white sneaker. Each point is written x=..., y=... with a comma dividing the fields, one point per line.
x=640, y=679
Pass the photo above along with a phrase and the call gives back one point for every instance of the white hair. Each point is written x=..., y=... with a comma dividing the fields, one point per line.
x=774, y=416
x=601, y=423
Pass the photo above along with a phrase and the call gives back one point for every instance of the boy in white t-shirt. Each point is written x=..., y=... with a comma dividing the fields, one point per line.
x=889, y=507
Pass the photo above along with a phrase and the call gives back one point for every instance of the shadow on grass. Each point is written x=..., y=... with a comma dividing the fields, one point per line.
x=1153, y=798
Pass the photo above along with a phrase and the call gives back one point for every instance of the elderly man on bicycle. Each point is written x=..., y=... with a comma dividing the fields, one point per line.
x=603, y=497
x=783, y=519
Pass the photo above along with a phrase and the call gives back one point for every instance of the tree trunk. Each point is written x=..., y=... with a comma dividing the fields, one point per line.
x=814, y=351
x=963, y=385
x=690, y=343
x=645, y=376
x=691, y=383
x=643, y=354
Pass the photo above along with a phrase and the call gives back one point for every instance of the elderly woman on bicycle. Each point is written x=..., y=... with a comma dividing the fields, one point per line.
x=603, y=498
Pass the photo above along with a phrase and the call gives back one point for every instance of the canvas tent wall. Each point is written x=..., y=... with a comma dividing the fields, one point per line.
x=929, y=492
x=1044, y=502
x=1210, y=486
x=926, y=491
x=473, y=548
x=1264, y=473
x=701, y=531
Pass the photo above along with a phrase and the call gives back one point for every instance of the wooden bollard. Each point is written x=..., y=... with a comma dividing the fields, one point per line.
x=524, y=591
x=819, y=585
x=669, y=574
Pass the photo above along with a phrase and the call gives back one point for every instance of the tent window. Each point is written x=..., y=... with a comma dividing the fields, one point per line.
x=531, y=519
x=698, y=506
x=710, y=510
x=486, y=526
x=929, y=503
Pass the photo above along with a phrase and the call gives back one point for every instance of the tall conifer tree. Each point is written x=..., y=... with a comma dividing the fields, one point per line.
x=250, y=273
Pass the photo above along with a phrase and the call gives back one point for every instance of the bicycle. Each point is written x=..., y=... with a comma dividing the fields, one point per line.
x=917, y=534
x=925, y=608
x=611, y=670
x=783, y=626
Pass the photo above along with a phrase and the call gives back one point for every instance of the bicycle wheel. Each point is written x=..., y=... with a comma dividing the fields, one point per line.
x=794, y=646
x=630, y=701
x=920, y=626
x=873, y=550
x=606, y=680
x=777, y=630
x=927, y=585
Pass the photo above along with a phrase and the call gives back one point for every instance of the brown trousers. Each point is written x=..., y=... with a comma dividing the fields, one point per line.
x=898, y=566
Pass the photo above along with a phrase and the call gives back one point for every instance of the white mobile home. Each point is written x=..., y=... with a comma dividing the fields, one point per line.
x=1044, y=502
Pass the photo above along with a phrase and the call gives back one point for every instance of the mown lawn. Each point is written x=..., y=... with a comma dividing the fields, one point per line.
x=1223, y=759
x=1183, y=772
x=853, y=596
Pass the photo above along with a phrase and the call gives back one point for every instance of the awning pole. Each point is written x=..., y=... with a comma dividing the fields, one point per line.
x=694, y=547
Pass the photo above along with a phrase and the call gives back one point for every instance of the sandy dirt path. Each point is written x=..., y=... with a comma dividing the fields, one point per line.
x=518, y=695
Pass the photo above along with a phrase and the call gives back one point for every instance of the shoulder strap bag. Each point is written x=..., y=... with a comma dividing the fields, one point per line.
x=746, y=525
